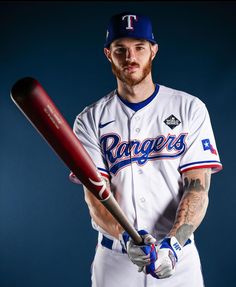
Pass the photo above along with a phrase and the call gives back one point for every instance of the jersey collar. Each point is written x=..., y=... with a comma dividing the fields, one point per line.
x=137, y=106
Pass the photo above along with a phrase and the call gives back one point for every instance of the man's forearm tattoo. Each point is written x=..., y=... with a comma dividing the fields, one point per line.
x=192, y=207
x=196, y=184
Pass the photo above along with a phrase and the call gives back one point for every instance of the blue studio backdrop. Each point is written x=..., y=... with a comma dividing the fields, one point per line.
x=46, y=238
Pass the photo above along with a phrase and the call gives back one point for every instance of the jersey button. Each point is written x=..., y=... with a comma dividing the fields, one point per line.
x=137, y=118
x=142, y=199
x=137, y=130
x=140, y=171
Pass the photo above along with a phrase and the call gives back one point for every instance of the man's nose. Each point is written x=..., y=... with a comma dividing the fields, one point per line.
x=130, y=55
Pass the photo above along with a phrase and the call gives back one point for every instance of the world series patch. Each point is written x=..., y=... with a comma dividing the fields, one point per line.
x=172, y=122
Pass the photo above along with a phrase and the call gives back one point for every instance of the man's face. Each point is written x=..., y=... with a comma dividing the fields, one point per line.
x=131, y=59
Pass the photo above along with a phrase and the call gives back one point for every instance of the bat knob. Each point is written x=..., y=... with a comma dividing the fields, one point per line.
x=22, y=88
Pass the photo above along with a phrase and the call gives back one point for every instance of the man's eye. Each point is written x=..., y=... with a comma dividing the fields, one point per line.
x=139, y=48
x=120, y=50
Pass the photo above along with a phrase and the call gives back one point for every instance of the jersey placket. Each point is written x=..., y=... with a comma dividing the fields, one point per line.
x=139, y=196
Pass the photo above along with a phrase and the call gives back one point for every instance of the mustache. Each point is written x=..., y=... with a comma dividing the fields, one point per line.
x=130, y=64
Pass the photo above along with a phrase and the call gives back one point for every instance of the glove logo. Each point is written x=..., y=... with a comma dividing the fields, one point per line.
x=172, y=259
x=176, y=246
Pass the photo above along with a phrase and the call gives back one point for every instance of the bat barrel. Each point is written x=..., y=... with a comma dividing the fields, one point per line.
x=38, y=107
x=23, y=88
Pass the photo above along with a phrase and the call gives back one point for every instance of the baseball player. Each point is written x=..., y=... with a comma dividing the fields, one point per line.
x=155, y=147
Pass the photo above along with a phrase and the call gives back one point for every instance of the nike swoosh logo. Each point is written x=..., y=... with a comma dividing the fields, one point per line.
x=103, y=125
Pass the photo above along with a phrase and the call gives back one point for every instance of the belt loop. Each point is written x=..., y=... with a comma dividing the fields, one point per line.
x=106, y=242
x=188, y=242
x=109, y=243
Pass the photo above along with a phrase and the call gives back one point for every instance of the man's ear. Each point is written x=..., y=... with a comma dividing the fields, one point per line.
x=107, y=53
x=154, y=49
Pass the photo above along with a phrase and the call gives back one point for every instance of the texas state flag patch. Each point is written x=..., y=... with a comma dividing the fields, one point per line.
x=208, y=146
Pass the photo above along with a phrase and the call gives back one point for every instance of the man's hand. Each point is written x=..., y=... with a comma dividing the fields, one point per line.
x=168, y=254
x=157, y=260
x=141, y=255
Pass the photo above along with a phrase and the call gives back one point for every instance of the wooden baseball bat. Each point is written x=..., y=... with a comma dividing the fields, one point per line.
x=33, y=101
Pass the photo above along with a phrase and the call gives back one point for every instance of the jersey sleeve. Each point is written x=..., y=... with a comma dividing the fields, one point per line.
x=201, y=146
x=85, y=130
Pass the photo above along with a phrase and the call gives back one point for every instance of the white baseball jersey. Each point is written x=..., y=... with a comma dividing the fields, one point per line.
x=143, y=149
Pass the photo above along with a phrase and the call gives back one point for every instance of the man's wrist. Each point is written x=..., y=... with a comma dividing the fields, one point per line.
x=173, y=244
x=182, y=238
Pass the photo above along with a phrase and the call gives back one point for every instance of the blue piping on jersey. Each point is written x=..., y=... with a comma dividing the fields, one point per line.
x=199, y=162
x=137, y=106
x=102, y=169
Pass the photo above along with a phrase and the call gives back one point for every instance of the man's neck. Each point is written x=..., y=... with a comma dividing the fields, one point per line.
x=137, y=93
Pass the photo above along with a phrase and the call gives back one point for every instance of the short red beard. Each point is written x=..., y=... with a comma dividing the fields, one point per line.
x=127, y=79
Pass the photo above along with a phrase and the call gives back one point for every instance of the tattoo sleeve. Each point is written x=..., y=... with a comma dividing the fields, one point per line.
x=193, y=205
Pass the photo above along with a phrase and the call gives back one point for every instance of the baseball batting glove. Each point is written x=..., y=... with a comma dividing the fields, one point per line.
x=141, y=255
x=168, y=254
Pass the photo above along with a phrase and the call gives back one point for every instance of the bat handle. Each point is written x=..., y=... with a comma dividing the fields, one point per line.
x=112, y=205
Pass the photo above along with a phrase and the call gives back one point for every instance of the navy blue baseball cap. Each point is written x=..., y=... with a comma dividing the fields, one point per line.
x=129, y=25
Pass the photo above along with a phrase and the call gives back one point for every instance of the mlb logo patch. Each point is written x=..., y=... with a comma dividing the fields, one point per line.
x=208, y=146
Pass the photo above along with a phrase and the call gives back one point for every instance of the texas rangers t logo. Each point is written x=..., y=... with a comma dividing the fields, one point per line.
x=130, y=19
